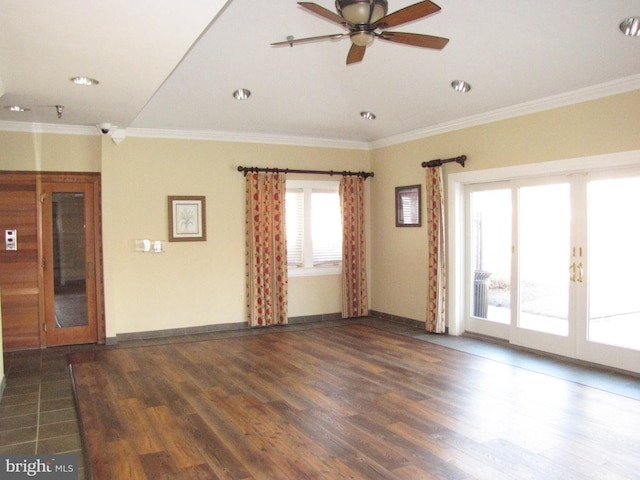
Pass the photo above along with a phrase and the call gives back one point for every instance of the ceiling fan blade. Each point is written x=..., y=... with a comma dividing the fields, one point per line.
x=407, y=14
x=323, y=12
x=356, y=54
x=415, y=39
x=293, y=41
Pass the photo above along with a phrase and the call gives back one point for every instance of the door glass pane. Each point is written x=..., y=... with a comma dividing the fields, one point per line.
x=614, y=262
x=544, y=242
x=70, y=291
x=491, y=255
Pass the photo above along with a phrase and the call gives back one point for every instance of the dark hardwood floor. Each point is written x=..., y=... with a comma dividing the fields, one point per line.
x=342, y=402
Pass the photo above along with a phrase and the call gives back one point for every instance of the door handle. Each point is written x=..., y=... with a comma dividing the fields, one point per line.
x=572, y=270
x=577, y=272
x=580, y=272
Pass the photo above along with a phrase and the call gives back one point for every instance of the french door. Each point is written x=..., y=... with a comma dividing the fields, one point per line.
x=551, y=264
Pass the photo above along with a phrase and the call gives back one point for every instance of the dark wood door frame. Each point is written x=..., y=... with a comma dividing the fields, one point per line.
x=97, y=286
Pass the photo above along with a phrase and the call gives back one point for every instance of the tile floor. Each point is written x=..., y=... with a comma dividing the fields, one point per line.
x=37, y=411
x=38, y=415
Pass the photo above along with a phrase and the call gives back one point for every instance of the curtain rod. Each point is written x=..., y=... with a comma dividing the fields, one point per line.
x=436, y=163
x=344, y=173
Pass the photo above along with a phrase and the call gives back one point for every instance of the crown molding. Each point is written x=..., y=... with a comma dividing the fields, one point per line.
x=595, y=92
x=63, y=129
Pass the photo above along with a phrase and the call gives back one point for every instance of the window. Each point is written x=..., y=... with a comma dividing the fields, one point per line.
x=314, y=228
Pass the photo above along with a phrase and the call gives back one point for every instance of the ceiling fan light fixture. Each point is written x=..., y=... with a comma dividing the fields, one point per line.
x=460, y=86
x=362, y=39
x=631, y=26
x=86, y=81
x=242, y=94
x=362, y=12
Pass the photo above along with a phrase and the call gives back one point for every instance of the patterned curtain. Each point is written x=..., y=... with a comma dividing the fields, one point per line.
x=354, y=274
x=436, y=252
x=266, y=249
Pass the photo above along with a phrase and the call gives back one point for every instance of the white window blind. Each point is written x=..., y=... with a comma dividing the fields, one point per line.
x=294, y=205
x=410, y=214
x=314, y=227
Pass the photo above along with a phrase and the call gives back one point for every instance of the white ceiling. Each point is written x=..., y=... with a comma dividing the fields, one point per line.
x=169, y=68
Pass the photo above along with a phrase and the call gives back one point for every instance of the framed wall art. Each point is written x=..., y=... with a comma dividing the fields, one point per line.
x=408, y=206
x=187, y=219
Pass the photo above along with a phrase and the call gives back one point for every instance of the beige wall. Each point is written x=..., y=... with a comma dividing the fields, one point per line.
x=194, y=283
x=49, y=152
x=399, y=257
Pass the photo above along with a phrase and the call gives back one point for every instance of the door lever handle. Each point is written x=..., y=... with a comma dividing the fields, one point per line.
x=580, y=272
x=572, y=269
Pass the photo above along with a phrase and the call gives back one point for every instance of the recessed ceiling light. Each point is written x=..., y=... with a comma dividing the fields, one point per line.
x=87, y=81
x=17, y=108
x=631, y=26
x=241, y=94
x=368, y=115
x=460, y=86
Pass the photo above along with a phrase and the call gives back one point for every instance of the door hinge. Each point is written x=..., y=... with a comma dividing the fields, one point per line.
x=44, y=326
x=43, y=263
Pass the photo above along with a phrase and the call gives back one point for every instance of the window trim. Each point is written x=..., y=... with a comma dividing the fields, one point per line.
x=311, y=271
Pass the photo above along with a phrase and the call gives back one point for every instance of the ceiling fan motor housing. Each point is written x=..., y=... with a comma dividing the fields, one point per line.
x=362, y=12
x=364, y=17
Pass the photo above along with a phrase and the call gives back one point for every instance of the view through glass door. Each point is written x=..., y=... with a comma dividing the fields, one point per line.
x=69, y=263
x=490, y=248
x=551, y=265
x=545, y=276
x=613, y=308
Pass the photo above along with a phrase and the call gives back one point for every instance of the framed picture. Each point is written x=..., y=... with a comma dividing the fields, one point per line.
x=408, y=206
x=187, y=219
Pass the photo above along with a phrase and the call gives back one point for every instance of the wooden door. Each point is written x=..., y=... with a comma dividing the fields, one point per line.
x=71, y=257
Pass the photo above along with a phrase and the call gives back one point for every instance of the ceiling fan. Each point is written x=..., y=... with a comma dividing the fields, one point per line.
x=363, y=19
